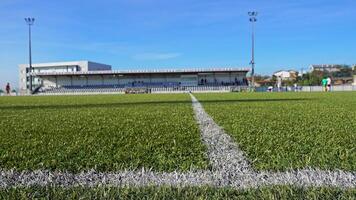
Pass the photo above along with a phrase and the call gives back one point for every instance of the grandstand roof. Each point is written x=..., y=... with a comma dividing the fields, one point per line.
x=127, y=72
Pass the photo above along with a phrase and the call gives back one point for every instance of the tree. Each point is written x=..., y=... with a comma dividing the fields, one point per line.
x=312, y=78
x=261, y=77
x=263, y=80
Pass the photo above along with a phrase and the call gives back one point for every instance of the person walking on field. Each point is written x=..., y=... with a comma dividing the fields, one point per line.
x=324, y=83
x=8, y=89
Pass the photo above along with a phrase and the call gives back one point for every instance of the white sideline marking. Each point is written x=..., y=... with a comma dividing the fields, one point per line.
x=230, y=168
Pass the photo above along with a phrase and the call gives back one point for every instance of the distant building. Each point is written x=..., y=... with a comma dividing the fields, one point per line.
x=354, y=80
x=286, y=75
x=57, y=67
x=326, y=67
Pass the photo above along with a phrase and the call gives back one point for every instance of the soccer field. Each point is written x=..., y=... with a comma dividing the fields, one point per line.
x=178, y=146
x=104, y=133
x=280, y=131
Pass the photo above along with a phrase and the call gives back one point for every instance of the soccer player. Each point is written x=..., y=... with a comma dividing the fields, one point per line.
x=8, y=89
x=324, y=82
x=328, y=84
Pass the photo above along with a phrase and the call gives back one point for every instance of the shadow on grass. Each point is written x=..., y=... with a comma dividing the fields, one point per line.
x=153, y=103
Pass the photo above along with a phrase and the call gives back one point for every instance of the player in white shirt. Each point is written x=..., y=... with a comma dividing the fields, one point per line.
x=328, y=84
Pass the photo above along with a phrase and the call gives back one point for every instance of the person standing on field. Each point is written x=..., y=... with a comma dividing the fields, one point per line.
x=8, y=89
x=324, y=83
x=279, y=83
x=295, y=87
x=328, y=84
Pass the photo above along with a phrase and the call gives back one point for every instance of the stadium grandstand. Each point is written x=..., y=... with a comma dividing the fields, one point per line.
x=90, y=77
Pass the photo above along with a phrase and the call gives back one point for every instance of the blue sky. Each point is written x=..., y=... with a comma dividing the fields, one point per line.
x=154, y=34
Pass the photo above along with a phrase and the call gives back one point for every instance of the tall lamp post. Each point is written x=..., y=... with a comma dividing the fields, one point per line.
x=253, y=20
x=29, y=22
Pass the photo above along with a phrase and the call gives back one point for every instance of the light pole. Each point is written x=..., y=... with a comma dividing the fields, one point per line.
x=253, y=20
x=30, y=22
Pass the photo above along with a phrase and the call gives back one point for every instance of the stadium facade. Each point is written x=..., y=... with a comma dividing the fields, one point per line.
x=81, y=75
x=55, y=67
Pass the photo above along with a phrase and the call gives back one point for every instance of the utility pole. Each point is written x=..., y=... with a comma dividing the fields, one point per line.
x=30, y=21
x=253, y=20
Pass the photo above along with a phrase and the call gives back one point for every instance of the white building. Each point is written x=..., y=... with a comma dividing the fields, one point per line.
x=56, y=67
x=286, y=74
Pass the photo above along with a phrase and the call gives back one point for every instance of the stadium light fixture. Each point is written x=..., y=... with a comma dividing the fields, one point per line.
x=253, y=20
x=30, y=21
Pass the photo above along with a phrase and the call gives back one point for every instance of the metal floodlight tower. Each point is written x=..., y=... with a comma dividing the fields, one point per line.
x=253, y=20
x=30, y=21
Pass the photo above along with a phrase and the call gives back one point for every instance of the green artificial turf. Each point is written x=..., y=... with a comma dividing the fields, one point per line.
x=105, y=133
x=276, y=192
x=280, y=131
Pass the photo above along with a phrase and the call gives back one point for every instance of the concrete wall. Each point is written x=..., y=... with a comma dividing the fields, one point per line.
x=220, y=78
x=157, y=78
x=63, y=81
x=50, y=82
x=95, y=80
x=79, y=80
x=111, y=80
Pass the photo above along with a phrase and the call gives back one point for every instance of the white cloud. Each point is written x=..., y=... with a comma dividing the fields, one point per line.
x=156, y=56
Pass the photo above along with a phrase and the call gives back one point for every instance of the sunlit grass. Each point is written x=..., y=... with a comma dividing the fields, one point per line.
x=105, y=133
x=280, y=131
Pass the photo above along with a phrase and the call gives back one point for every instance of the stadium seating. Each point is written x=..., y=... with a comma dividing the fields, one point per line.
x=82, y=89
x=158, y=87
